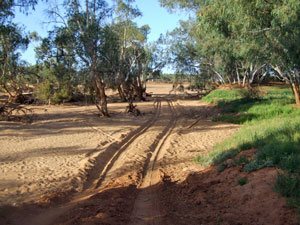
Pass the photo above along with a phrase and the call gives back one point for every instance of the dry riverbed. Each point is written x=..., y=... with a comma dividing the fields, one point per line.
x=72, y=167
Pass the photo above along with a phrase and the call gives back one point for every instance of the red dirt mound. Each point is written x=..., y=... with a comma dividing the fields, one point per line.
x=213, y=198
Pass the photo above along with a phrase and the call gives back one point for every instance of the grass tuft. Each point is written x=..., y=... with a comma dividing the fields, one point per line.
x=242, y=181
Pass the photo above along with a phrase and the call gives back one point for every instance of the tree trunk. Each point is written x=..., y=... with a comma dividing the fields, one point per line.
x=220, y=78
x=244, y=80
x=100, y=93
x=139, y=89
x=238, y=76
x=121, y=94
x=296, y=91
x=229, y=80
x=294, y=84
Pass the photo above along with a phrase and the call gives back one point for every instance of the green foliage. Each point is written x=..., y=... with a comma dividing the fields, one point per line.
x=289, y=186
x=182, y=52
x=250, y=93
x=55, y=87
x=48, y=93
x=219, y=95
x=238, y=106
x=256, y=165
x=12, y=41
x=44, y=91
x=167, y=77
x=277, y=141
x=239, y=40
x=242, y=181
x=241, y=161
x=185, y=4
x=271, y=126
x=61, y=95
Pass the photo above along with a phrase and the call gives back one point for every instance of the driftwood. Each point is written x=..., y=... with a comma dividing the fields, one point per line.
x=132, y=109
x=15, y=112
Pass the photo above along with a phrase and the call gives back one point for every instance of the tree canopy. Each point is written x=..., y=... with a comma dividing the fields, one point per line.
x=243, y=41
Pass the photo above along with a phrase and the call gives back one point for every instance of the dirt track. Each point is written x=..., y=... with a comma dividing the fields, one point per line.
x=149, y=177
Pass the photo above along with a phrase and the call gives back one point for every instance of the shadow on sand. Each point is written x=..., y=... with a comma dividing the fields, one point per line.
x=206, y=197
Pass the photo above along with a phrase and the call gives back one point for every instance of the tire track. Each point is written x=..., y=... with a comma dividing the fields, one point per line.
x=146, y=208
x=105, y=160
x=158, y=146
x=96, y=175
x=157, y=130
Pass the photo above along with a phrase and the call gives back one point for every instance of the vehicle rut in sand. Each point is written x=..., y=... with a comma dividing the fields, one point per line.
x=135, y=154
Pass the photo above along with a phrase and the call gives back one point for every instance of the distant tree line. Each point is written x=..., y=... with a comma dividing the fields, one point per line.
x=238, y=41
x=92, y=47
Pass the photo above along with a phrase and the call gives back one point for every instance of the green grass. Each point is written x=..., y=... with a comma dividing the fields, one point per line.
x=271, y=125
x=238, y=109
x=242, y=181
x=289, y=186
x=222, y=95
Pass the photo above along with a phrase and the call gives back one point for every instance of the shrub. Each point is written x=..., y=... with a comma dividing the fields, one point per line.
x=242, y=181
x=288, y=185
x=44, y=91
x=47, y=93
x=62, y=95
x=250, y=93
x=218, y=96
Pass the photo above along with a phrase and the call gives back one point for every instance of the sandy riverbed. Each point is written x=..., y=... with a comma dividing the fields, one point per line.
x=52, y=153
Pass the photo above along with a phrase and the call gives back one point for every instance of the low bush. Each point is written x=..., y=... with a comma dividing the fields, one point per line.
x=47, y=93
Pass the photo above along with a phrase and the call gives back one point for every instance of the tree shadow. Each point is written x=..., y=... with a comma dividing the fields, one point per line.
x=48, y=152
x=235, y=111
x=205, y=197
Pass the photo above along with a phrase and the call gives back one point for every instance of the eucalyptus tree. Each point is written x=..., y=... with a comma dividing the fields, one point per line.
x=198, y=48
x=131, y=41
x=83, y=25
x=156, y=58
x=87, y=24
x=133, y=60
x=224, y=36
x=181, y=47
x=282, y=34
x=57, y=59
x=243, y=39
x=12, y=42
x=182, y=4
x=8, y=7
x=268, y=34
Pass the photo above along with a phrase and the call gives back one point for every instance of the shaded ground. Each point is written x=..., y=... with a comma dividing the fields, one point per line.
x=144, y=173
x=213, y=198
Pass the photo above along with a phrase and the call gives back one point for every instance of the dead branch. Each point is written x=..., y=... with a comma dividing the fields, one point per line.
x=16, y=112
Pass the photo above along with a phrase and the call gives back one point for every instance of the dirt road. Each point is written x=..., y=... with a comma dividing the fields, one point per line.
x=149, y=178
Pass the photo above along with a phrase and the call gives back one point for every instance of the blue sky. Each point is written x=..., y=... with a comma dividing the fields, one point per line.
x=159, y=19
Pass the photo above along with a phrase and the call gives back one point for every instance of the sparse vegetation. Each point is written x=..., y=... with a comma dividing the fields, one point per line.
x=242, y=181
x=289, y=186
x=245, y=54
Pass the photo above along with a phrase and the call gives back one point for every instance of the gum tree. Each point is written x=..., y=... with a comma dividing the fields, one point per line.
x=12, y=42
